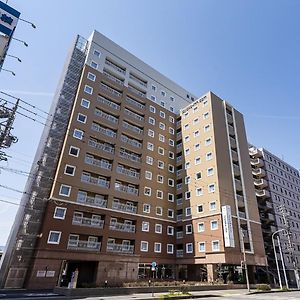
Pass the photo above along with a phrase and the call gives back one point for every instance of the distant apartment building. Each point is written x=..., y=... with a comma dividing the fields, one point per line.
x=278, y=194
x=132, y=171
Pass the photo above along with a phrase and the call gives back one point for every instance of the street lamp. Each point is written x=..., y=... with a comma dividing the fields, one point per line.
x=32, y=25
x=21, y=41
x=245, y=262
x=9, y=71
x=17, y=58
x=276, y=260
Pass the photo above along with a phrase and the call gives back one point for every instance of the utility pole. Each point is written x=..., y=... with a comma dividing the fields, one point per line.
x=290, y=247
x=245, y=261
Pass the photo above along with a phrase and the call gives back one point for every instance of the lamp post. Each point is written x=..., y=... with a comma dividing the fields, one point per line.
x=245, y=262
x=276, y=260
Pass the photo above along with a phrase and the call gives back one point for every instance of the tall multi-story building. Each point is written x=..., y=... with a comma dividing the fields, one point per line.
x=278, y=195
x=133, y=170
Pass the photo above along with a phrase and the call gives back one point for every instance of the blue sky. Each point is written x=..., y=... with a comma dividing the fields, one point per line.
x=247, y=52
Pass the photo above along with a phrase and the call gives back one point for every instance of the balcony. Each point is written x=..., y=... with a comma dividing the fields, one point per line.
x=134, y=115
x=179, y=253
x=229, y=118
x=128, y=172
x=242, y=214
x=130, y=208
x=95, y=201
x=94, y=180
x=255, y=152
x=179, y=234
x=179, y=146
x=236, y=170
x=120, y=248
x=269, y=205
x=259, y=172
x=98, y=163
x=257, y=162
x=130, y=156
x=101, y=146
x=240, y=200
x=179, y=186
x=107, y=102
x=101, y=114
x=178, y=158
x=131, y=142
x=178, y=172
x=260, y=183
x=136, y=91
x=139, y=81
x=89, y=222
x=135, y=103
x=122, y=227
x=126, y=189
x=238, y=185
x=113, y=78
x=84, y=245
x=179, y=201
x=110, y=90
x=233, y=143
x=115, y=67
x=105, y=131
x=262, y=193
x=179, y=217
x=231, y=130
x=132, y=128
x=234, y=156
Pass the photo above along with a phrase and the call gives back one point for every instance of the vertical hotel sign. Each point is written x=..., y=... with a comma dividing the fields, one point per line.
x=227, y=226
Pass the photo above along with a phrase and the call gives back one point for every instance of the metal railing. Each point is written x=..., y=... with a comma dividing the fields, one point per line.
x=133, y=115
x=84, y=245
x=113, y=78
x=135, y=103
x=107, y=102
x=130, y=141
x=126, y=189
x=95, y=181
x=115, y=67
x=98, y=163
x=103, y=115
x=101, y=146
x=90, y=222
x=110, y=90
x=122, y=227
x=130, y=156
x=103, y=130
x=124, y=207
x=120, y=248
x=92, y=201
x=128, y=172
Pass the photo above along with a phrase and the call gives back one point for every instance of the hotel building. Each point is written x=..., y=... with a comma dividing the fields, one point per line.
x=132, y=170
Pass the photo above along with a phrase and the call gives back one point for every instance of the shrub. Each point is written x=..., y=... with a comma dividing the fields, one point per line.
x=263, y=287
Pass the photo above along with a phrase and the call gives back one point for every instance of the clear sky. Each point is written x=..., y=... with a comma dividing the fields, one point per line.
x=247, y=52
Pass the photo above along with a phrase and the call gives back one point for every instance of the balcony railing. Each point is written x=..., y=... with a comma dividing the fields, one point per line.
x=124, y=207
x=179, y=253
x=115, y=67
x=100, y=202
x=128, y=172
x=108, y=103
x=257, y=162
x=113, y=78
x=178, y=158
x=262, y=193
x=122, y=227
x=260, y=183
x=136, y=91
x=132, y=128
x=130, y=141
x=84, y=245
x=259, y=172
x=229, y=119
x=238, y=185
x=240, y=200
x=135, y=103
x=242, y=215
x=90, y=222
x=179, y=186
x=98, y=163
x=179, y=201
x=236, y=170
x=179, y=234
x=108, y=117
x=233, y=143
x=141, y=82
x=105, y=131
x=234, y=156
x=101, y=146
x=255, y=152
x=231, y=130
x=179, y=217
x=120, y=248
x=126, y=189
x=94, y=180
x=130, y=156
x=133, y=115
x=110, y=90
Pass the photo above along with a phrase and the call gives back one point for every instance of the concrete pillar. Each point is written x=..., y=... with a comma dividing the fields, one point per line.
x=212, y=274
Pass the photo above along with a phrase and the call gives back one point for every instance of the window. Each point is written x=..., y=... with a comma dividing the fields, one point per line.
x=153, y=87
x=94, y=65
x=162, y=126
x=206, y=128
x=170, y=213
x=59, y=213
x=161, y=138
x=160, y=179
x=189, y=248
x=54, y=237
x=157, y=247
x=187, y=165
x=200, y=208
x=199, y=191
x=150, y=133
x=97, y=53
x=208, y=156
x=161, y=151
x=74, y=151
x=188, y=229
x=153, y=98
x=163, y=93
x=214, y=225
x=78, y=134
x=146, y=208
x=88, y=89
x=151, y=121
x=197, y=160
x=162, y=114
x=152, y=109
x=170, y=197
x=171, y=155
x=213, y=205
x=159, y=210
x=215, y=245
x=85, y=103
x=159, y=194
x=171, y=168
x=205, y=103
x=205, y=115
x=145, y=226
x=147, y=191
x=187, y=195
x=210, y=171
x=188, y=211
x=195, y=121
x=211, y=188
x=196, y=133
x=158, y=228
x=161, y=164
x=149, y=160
x=81, y=118
x=162, y=103
x=201, y=227
x=91, y=76
x=208, y=142
x=171, y=130
x=150, y=146
x=172, y=98
x=198, y=175
x=201, y=246
x=69, y=170
x=65, y=190
x=187, y=151
x=171, y=142
x=170, y=230
x=195, y=109
x=187, y=179
x=170, y=248
x=144, y=246
x=170, y=182
x=186, y=127
x=148, y=175
x=196, y=147
x=171, y=119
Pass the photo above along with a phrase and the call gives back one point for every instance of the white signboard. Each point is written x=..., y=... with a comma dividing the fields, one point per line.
x=8, y=18
x=50, y=273
x=40, y=273
x=227, y=226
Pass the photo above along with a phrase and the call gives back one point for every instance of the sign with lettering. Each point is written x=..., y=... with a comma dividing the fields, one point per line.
x=227, y=226
x=8, y=18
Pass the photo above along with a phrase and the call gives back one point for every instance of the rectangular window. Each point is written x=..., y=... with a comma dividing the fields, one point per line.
x=206, y=128
x=160, y=179
x=145, y=226
x=54, y=237
x=188, y=229
x=151, y=121
x=150, y=133
x=208, y=156
x=150, y=146
x=201, y=227
x=161, y=164
x=159, y=194
x=199, y=191
x=205, y=115
x=88, y=89
x=171, y=142
x=162, y=114
x=170, y=197
x=171, y=168
x=208, y=142
x=213, y=205
x=157, y=247
x=201, y=246
x=170, y=182
x=171, y=119
x=152, y=109
x=153, y=98
x=187, y=195
x=210, y=171
x=91, y=76
x=162, y=126
x=170, y=213
x=74, y=151
x=94, y=65
x=148, y=175
x=159, y=210
x=146, y=208
x=144, y=246
x=189, y=248
x=197, y=160
x=196, y=147
x=97, y=53
x=170, y=248
x=171, y=155
x=85, y=103
x=198, y=175
x=188, y=211
x=171, y=130
x=78, y=134
x=59, y=213
x=213, y=225
x=158, y=228
x=65, y=190
x=161, y=151
x=147, y=191
x=215, y=245
x=170, y=230
x=70, y=170
x=149, y=160
x=211, y=188
x=161, y=138
x=200, y=208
